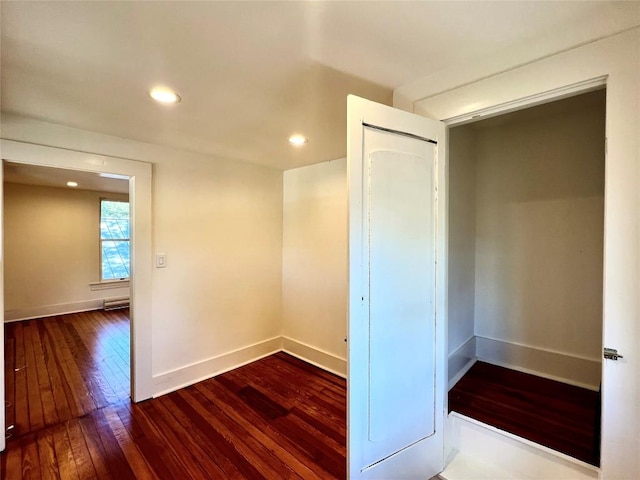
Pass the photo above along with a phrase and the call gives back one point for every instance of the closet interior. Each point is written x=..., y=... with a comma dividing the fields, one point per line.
x=526, y=236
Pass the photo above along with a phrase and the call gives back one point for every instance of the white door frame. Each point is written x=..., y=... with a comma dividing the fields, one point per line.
x=528, y=102
x=139, y=174
x=502, y=109
x=616, y=59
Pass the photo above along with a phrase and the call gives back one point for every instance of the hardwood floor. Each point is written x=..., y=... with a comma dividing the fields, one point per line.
x=559, y=416
x=65, y=366
x=275, y=418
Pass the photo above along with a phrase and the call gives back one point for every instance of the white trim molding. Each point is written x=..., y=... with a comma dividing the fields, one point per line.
x=565, y=367
x=315, y=356
x=109, y=285
x=196, y=372
x=140, y=175
x=461, y=360
x=30, y=313
x=518, y=458
x=533, y=100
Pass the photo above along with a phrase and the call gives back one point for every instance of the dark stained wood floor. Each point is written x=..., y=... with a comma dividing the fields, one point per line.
x=65, y=366
x=559, y=416
x=275, y=418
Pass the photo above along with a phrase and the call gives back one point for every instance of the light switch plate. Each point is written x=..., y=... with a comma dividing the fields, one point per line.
x=161, y=260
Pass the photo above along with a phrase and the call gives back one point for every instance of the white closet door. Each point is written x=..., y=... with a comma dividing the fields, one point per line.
x=396, y=385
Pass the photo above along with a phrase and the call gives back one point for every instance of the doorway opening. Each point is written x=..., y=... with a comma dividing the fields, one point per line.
x=526, y=236
x=67, y=351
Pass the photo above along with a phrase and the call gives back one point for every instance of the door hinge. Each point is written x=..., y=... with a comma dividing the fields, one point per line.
x=611, y=354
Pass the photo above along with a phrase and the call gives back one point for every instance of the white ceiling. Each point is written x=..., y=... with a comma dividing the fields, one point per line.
x=252, y=73
x=58, y=177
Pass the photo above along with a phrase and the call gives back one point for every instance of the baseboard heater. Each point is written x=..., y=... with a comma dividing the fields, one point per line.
x=115, y=303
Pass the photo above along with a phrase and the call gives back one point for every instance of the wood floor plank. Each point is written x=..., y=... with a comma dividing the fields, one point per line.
x=276, y=431
x=30, y=461
x=12, y=466
x=49, y=411
x=137, y=462
x=47, y=455
x=223, y=464
x=178, y=422
x=64, y=453
x=75, y=388
x=276, y=418
x=331, y=460
x=114, y=329
x=188, y=458
x=9, y=375
x=118, y=464
x=241, y=378
x=21, y=397
x=48, y=346
x=84, y=464
x=151, y=446
x=164, y=461
x=559, y=416
x=111, y=325
x=36, y=414
x=226, y=437
x=257, y=427
x=96, y=450
x=333, y=429
x=97, y=384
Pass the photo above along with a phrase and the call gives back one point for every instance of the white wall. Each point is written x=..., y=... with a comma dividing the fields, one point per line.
x=314, y=263
x=218, y=302
x=52, y=251
x=461, y=251
x=526, y=240
x=462, y=234
x=540, y=227
x=221, y=227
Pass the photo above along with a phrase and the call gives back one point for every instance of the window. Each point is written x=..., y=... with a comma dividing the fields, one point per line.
x=114, y=240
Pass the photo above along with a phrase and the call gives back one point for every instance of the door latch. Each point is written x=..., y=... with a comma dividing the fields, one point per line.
x=611, y=354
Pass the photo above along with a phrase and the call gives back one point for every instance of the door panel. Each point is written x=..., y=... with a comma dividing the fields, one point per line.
x=401, y=313
x=396, y=354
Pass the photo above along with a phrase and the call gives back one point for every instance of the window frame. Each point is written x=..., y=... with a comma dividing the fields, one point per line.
x=115, y=282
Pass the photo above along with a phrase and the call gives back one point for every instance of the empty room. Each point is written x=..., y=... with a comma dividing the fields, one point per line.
x=339, y=213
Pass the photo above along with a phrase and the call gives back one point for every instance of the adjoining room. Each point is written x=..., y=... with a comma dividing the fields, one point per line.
x=66, y=271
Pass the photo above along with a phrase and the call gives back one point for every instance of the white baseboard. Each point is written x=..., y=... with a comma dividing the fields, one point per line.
x=461, y=360
x=325, y=360
x=51, y=310
x=564, y=367
x=482, y=452
x=183, y=377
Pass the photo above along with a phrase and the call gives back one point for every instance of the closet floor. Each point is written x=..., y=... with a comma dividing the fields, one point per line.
x=559, y=416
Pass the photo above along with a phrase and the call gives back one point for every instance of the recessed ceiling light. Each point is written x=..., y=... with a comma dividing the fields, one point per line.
x=164, y=95
x=297, y=140
x=72, y=184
